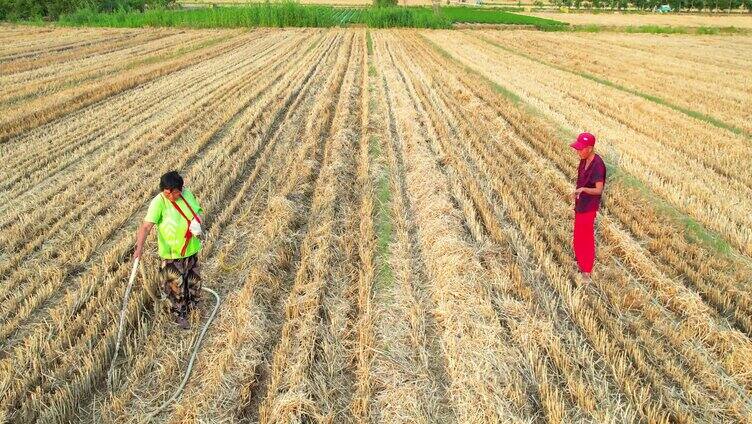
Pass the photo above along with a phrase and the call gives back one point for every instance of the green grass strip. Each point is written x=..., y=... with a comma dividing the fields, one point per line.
x=495, y=16
x=663, y=29
x=383, y=221
x=371, y=67
x=689, y=112
x=383, y=226
x=369, y=43
x=694, y=231
x=651, y=29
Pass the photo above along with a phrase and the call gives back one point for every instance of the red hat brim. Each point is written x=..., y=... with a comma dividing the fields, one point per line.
x=578, y=145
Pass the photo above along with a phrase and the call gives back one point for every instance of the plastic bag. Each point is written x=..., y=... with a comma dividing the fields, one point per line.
x=195, y=228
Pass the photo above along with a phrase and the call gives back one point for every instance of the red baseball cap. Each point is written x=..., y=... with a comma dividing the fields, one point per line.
x=583, y=140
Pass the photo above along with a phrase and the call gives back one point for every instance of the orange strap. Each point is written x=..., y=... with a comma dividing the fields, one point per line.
x=188, y=233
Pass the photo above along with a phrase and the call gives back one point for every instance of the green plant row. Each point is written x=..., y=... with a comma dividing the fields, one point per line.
x=252, y=15
x=407, y=17
x=291, y=14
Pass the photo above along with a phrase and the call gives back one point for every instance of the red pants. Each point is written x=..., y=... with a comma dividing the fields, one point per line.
x=584, y=240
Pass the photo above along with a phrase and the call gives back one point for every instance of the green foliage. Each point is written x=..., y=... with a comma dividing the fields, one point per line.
x=384, y=3
x=14, y=10
x=262, y=15
x=253, y=15
x=650, y=5
x=504, y=8
x=132, y=5
x=34, y=9
x=409, y=17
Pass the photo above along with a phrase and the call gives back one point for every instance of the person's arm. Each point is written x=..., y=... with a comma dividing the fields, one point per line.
x=592, y=191
x=141, y=234
x=153, y=216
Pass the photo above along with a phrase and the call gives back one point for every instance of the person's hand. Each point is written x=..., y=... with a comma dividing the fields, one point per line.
x=137, y=252
x=573, y=196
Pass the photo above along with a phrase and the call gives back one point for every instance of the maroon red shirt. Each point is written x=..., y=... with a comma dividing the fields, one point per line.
x=587, y=178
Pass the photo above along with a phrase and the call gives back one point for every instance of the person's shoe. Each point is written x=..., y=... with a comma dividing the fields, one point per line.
x=182, y=322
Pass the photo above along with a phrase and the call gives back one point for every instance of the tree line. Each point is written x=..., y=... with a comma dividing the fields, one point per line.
x=14, y=10
x=677, y=5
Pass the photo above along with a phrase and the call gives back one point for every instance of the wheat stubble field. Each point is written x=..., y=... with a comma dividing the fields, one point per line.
x=388, y=225
x=626, y=19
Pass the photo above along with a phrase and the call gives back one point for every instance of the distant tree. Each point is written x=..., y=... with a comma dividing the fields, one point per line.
x=640, y=4
x=736, y=4
x=36, y=9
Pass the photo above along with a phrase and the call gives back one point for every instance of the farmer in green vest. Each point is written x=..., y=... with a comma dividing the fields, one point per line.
x=177, y=215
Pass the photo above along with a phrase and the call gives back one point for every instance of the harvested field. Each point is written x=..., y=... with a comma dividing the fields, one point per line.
x=387, y=226
x=741, y=20
x=653, y=66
